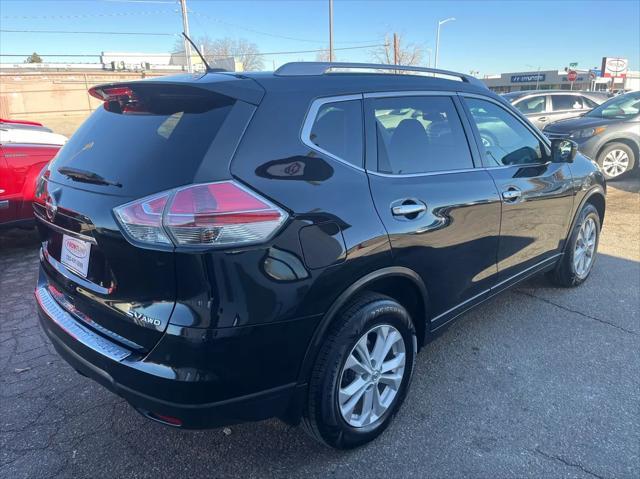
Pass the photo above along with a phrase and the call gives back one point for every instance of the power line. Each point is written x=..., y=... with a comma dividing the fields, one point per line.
x=261, y=32
x=89, y=33
x=86, y=15
x=291, y=52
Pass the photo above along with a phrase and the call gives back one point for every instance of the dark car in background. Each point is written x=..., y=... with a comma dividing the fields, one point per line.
x=231, y=247
x=542, y=107
x=609, y=134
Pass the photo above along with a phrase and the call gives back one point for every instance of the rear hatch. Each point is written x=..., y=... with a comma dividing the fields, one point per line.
x=149, y=137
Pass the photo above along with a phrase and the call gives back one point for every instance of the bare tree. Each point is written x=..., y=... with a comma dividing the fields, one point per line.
x=409, y=54
x=322, y=56
x=240, y=49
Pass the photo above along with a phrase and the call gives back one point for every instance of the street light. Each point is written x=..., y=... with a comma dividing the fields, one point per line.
x=440, y=23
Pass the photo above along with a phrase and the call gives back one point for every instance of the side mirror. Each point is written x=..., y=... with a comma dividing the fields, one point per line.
x=563, y=151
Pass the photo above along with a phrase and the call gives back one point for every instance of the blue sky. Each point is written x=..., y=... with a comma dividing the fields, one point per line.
x=489, y=37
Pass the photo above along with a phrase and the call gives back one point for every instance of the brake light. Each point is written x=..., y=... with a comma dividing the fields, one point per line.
x=142, y=219
x=212, y=214
x=118, y=93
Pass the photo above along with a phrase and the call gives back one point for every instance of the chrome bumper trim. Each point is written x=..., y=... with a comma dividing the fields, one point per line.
x=76, y=330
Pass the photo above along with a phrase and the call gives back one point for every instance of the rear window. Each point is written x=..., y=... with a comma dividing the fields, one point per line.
x=337, y=130
x=153, y=146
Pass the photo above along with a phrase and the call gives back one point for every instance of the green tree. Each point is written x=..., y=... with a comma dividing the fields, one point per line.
x=33, y=58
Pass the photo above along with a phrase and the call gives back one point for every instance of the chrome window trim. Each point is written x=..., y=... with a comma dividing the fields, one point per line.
x=310, y=118
x=386, y=94
x=428, y=173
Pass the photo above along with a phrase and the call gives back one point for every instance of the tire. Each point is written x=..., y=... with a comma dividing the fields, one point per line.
x=363, y=320
x=616, y=159
x=567, y=273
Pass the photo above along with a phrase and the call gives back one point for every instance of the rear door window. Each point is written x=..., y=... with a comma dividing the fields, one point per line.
x=337, y=131
x=566, y=102
x=420, y=135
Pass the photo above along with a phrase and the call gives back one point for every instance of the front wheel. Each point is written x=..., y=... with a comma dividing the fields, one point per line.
x=615, y=160
x=580, y=252
x=362, y=373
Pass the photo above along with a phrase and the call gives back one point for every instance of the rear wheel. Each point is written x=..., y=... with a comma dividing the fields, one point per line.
x=616, y=159
x=362, y=373
x=580, y=253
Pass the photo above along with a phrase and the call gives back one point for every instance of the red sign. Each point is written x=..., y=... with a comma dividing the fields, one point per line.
x=572, y=76
x=614, y=67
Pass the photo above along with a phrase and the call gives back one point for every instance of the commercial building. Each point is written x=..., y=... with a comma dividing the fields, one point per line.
x=559, y=80
x=150, y=63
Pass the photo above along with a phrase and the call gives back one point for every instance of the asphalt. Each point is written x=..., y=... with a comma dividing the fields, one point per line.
x=538, y=382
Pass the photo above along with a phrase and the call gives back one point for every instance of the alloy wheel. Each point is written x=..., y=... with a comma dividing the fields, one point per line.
x=585, y=247
x=615, y=163
x=371, y=376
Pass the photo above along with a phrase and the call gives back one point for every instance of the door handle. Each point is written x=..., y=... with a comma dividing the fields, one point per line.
x=512, y=194
x=407, y=210
x=542, y=119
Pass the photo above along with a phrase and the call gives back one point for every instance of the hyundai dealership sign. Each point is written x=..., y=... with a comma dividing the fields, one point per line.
x=533, y=78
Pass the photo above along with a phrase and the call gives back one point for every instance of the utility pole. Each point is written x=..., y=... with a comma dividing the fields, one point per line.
x=395, y=49
x=185, y=28
x=330, y=30
x=440, y=23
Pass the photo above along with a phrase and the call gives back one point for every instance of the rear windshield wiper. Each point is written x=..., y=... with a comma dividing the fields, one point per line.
x=85, y=176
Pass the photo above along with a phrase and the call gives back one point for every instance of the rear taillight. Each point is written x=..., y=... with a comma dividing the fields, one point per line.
x=210, y=215
x=142, y=219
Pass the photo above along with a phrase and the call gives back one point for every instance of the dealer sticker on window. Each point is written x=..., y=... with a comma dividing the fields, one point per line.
x=75, y=255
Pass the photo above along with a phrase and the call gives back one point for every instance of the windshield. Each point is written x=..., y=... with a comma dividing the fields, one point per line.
x=622, y=107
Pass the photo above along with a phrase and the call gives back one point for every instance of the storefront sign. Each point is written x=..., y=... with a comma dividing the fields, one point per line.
x=532, y=78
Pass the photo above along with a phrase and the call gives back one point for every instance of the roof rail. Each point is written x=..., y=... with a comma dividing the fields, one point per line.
x=321, y=68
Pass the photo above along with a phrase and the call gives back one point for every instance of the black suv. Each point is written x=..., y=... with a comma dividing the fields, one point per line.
x=231, y=247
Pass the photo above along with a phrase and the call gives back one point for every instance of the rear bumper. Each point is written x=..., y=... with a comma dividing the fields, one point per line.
x=155, y=389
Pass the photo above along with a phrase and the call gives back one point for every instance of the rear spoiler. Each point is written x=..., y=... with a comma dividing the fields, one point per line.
x=227, y=84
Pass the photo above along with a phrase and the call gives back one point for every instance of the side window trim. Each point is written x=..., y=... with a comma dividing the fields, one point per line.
x=310, y=118
x=371, y=144
x=543, y=139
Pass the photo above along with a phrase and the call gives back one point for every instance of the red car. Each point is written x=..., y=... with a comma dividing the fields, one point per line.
x=25, y=148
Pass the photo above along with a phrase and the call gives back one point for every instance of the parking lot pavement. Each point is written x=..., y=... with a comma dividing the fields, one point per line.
x=539, y=382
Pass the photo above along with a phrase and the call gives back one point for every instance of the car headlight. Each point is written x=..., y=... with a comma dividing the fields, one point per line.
x=587, y=132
